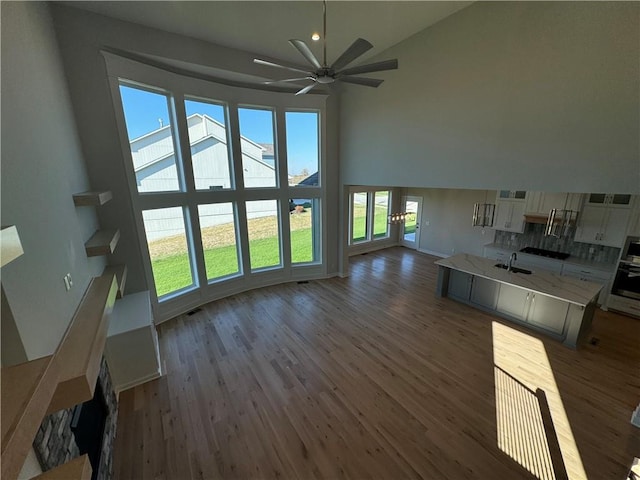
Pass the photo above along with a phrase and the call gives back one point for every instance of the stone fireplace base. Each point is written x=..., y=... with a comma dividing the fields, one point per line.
x=55, y=444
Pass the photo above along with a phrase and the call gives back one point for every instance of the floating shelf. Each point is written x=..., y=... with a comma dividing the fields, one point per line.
x=79, y=354
x=34, y=389
x=77, y=469
x=120, y=271
x=102, y=242
x=88, y=199
x=10, y=243
x=26, y=391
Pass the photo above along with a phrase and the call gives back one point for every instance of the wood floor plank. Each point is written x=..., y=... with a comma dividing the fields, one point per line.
x=374, y=376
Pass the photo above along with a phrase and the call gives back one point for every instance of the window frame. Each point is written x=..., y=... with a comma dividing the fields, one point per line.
x=183, y=88
x=370, y=214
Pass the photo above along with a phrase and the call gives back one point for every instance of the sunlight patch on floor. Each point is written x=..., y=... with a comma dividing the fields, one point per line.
x=521, y=366
x=520, y=428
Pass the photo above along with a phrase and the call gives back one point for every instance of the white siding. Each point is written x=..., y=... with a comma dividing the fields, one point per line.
x=211, y=164
x=210, y=159
x=149, y=148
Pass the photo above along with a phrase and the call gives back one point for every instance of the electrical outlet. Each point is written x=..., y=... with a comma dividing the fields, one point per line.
x=592, y=250
x=426, y=223
x=68, y=282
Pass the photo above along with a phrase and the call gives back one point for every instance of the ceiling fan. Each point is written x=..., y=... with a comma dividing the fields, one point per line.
x=325, y=74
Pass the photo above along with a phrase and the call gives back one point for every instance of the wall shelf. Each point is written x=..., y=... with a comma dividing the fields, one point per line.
x=26, y=391
x=34, y=389
x=79, y=354
x=102, y=242
x=91, y=199
x=77, y=469
x=120, y=271
x=10, y=243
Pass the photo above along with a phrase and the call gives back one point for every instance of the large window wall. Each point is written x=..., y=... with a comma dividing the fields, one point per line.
x=226, y=183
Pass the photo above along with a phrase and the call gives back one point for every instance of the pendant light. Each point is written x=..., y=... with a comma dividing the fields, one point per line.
x=560, y=221
x=483, y=213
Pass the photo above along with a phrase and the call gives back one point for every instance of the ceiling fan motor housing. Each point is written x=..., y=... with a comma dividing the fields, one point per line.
x=325, y=76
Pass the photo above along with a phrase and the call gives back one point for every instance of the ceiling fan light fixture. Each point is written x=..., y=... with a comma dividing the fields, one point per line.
x=325, y=79
x=324, y=73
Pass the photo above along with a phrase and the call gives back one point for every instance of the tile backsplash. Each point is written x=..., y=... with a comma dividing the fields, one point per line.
x=534, y=236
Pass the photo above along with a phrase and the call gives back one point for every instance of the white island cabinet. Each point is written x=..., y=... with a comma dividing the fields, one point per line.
x=561, y=307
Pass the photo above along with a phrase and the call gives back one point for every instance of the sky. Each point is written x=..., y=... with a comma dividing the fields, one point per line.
x=146, y=111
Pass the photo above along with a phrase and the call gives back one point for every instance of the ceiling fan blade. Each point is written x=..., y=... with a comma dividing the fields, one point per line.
x=371, y=67
x=306, y=52
x=369, y=82
x=271, y=64
x=287, y=80
x=305, y=89
x=356, y=49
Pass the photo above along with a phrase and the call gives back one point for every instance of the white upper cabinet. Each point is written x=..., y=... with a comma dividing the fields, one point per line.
x=541, y=203
x=603, y=225
x=617, y=200
x=510, y=208
x=515, y=195
x=509, y=216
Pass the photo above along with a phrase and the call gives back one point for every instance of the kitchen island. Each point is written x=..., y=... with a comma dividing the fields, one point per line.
x=559, y=306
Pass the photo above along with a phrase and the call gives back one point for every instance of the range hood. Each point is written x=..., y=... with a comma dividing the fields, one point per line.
x=557, y=223
x=536, y=218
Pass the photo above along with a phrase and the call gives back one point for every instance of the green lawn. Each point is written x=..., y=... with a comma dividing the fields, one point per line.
x=173, y=272
x=410, y=224
x=360, y=221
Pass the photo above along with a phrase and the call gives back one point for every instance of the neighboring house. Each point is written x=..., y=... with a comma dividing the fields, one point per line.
x=154, y=161
x=155, y=168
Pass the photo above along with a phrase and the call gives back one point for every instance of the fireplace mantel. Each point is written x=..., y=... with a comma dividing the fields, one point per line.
x=32, y=389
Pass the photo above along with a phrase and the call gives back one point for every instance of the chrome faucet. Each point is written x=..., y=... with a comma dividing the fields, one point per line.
x=512, y=259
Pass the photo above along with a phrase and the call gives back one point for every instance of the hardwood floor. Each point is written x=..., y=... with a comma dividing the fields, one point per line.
x=373, y=376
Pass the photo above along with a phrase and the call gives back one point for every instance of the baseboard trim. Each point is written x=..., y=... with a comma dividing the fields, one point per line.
x=431, y=252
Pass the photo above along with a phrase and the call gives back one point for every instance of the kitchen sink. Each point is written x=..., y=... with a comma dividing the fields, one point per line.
x=513, y=269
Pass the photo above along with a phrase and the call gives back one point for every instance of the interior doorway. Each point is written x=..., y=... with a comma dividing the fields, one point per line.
x=410, y=231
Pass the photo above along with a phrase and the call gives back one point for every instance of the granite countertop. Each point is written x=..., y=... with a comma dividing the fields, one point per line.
x=607, y=267
x=569, y=289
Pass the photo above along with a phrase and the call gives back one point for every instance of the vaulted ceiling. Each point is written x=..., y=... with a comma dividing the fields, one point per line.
x=264, y=27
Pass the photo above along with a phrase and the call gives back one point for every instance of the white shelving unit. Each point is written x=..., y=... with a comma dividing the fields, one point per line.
x=132, y=342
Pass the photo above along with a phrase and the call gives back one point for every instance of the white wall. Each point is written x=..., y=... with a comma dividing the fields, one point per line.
x=42, y=166
x=449, y=213
x=528, y=95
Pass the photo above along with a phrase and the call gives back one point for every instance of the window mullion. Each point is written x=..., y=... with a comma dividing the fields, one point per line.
x=351, y=215
x=236, y=147
x=182, y=137
x=238, y=179
x=283, y=182
x=370, y=210
x=192, y=223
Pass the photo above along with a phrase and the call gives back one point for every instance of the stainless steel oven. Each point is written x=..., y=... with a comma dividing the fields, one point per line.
x=625, y=293
x=631, y=250
x=627, y=281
